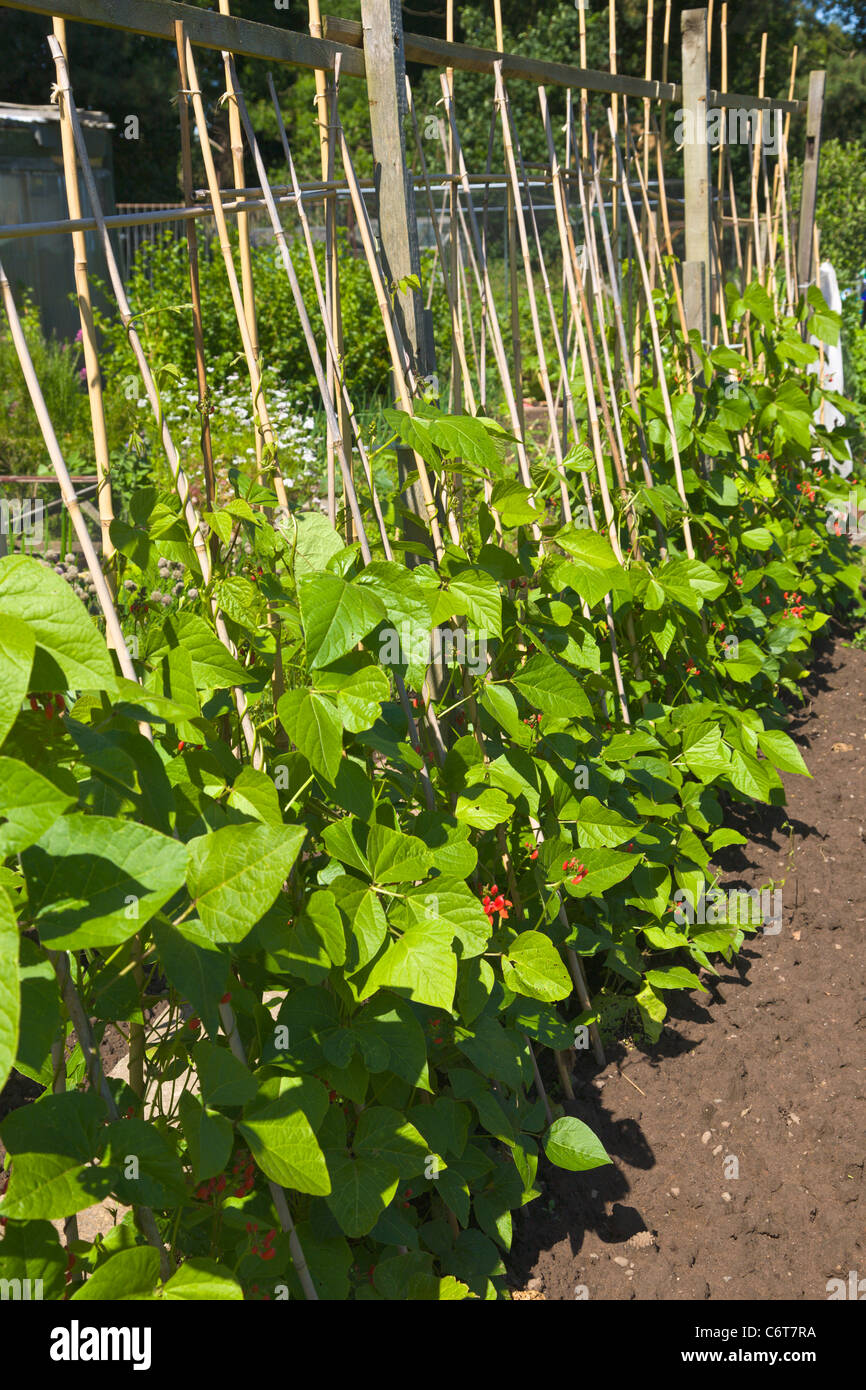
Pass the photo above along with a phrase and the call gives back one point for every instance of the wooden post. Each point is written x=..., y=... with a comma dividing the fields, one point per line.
x=398, y=230
x=696, y=167
x=809, y=193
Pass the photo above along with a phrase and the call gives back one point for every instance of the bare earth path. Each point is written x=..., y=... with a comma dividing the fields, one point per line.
x=763, y=1077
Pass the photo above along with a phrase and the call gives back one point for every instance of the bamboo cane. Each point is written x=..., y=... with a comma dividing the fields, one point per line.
x=400, y=360
x=663, y=386
x=333, y=349
x=306, y=327
x=779, y=180
x=454, y=249
x=67, y=490
x=566, y=302
x=612, y=62
x=539, y=1084
x=768, y=220
x=648, y=72
x=511, y=242
x=466, y=302
x=485, y=206
x=456, y=326
x=666, y=274
x=581, y=22
x=719, y=201
x=85, y=313
x=589, y=362
x=786, y=240
x=725, y=160
x=98, y=1084
x=332, y=261
x=611, y=411
x=495, y=331
x=614, y=106
x=620, y=327
x=517, y=200
x=116, y=639
x=192, y=256
x=252, y=361
x=247, y=291
x=190, y=512
x=230, y=1028
x=585, y=334
x=465, y=244
x=321, y=380
x=754, y=246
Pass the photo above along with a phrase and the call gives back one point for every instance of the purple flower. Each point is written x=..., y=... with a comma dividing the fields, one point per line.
x=83, y=373
x=79, y=335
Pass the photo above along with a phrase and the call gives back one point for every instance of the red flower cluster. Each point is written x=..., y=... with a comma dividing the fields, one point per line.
x=797, y=606
x=581, y=874
x=49, y=703
x=719, y=626
x=196, y=747
x=737, y=580
x=436, y=1023
x=493, y=902
x=807, y=491
x=532, y=847
x=207, y=1189
x=691, y=668
x=533, y=721
x=266, y=1252
x=763, y=458
x=246, y=1182
x=719, y=547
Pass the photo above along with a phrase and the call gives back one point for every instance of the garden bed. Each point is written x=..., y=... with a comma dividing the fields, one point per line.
x=765, y=1066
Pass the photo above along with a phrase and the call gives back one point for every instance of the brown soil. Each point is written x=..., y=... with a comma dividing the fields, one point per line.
x=766, y=1067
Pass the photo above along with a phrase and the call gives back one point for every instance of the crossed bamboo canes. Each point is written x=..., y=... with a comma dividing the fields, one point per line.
x=191, y=516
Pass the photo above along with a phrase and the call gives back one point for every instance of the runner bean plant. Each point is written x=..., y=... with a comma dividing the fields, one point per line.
x=349, y=953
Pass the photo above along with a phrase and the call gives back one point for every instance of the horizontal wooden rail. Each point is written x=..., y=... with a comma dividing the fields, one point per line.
x=235, y=200
x=156, y=19
x=467, y=58
x=420, y=48
x=206, y=29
